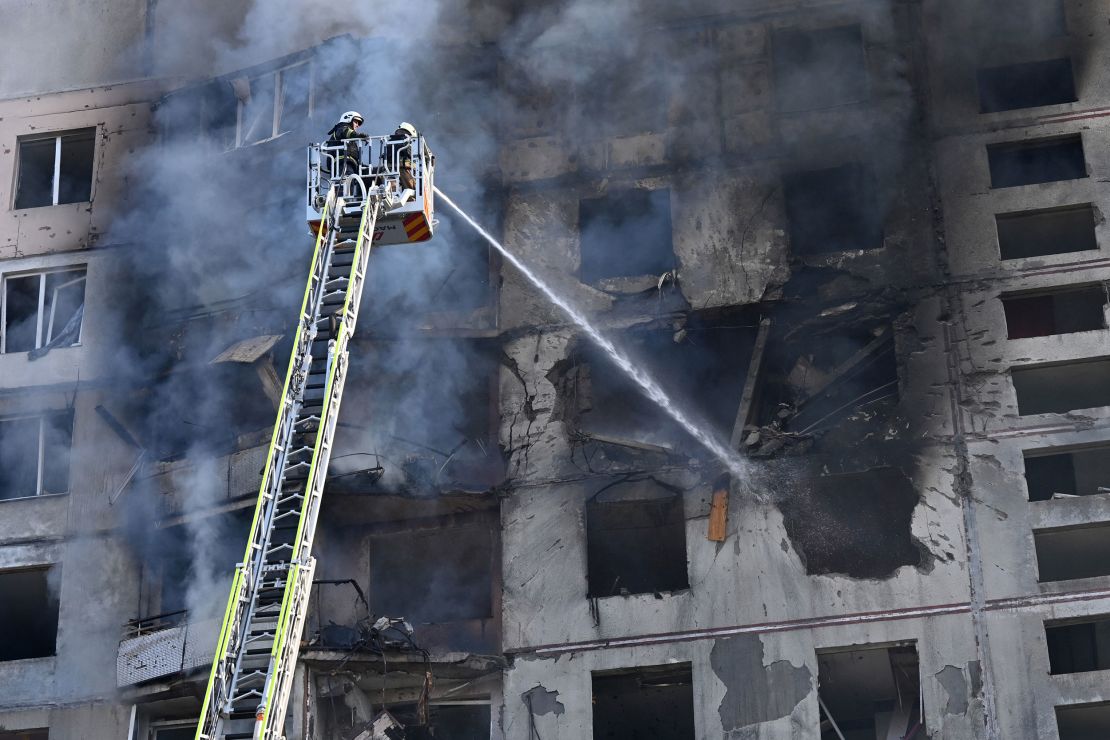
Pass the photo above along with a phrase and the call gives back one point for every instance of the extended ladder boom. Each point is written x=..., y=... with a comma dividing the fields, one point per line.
x=383, y=196
x=252, y=671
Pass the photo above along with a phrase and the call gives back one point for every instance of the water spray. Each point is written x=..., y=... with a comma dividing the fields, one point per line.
x=732, y=460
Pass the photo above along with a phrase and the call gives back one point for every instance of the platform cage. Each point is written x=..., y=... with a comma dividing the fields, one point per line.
x=383, y=161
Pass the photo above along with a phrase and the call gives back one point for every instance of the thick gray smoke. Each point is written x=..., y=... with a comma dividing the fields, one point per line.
x=220, y=236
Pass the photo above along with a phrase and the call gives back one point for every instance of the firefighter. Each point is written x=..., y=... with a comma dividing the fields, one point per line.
x=345, y=132
x=399, y=149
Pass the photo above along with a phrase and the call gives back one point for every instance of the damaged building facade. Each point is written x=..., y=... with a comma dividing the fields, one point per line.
x=857, y=241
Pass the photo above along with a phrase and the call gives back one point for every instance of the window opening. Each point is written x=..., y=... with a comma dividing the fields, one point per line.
x=1028, y=85
x=625, y=233
x=28, y=614
x=1032, y=162
x=1081, y=472
x=34, y=455
x=433, y=576
x=635, y=540
x=648, y=702
x=1040, y=233
x=42, y=310
x=1063, y=387
x=832, y=210
x=1078, y=647
x=1083, y=721
x=1069, y=553
x=873, y=692
x=1060, y=311
x=55, y=170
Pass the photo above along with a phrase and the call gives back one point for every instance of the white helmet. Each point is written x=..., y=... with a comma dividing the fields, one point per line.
x=408, y=128
x=351, y=116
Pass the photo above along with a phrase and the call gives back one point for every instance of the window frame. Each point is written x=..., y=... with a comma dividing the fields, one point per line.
x=40, y=464
x=57, y=136
x=276, y=129
x=169, y=724
x=42, y=274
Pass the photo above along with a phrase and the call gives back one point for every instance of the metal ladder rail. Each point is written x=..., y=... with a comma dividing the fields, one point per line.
x=254, y=614
x=286, y=645
x=228, y=646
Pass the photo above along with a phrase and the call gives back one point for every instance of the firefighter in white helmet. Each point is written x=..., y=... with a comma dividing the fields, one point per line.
x=345, y=132
x=398, y=151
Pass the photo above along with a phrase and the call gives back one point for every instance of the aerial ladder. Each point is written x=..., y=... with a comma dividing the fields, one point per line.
x=351, y=208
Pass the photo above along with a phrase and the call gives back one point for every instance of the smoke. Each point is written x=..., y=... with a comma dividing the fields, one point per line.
x=218, y=236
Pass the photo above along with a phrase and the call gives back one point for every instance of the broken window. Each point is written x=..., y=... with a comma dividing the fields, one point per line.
x=42, y=309
x=34, y=454
x=1083, y=721
x=1068, y=553
x=857, y=524
x=55, y=169
x=869, y=693
x=273, y=103
x=625, y=233
x=635, y=540
x=1057, y=311
x=1063, y=387
x=433, y=576
x=1080, y=472
x=1039, y=233
x=818, y=380
x=1078, y=646
x=1028, y=85
x=646, y=702
x=819, y=69
x=28, y=614
x=1040, y=160
x=832, y=210
x=703, y=367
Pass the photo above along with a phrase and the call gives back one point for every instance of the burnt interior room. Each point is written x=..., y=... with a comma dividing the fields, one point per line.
x=35, y=454
x=1078, y=646
x=28, y=614
x=1079, y=472
x=1083, y=721
x=655, y=702
x=1026, y=85
x=635, y=539
x=1069, y=553
x=856, y=524
x=1058, y=311
x=833, y=209
x=1040, y=160
x=1062, y=387
x=870, y=692
x=419, y=416
x=1039, y=233
x=702, y=365
x=822, y=374
x=625, y=233
x=438, y=576
x=819, y=68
